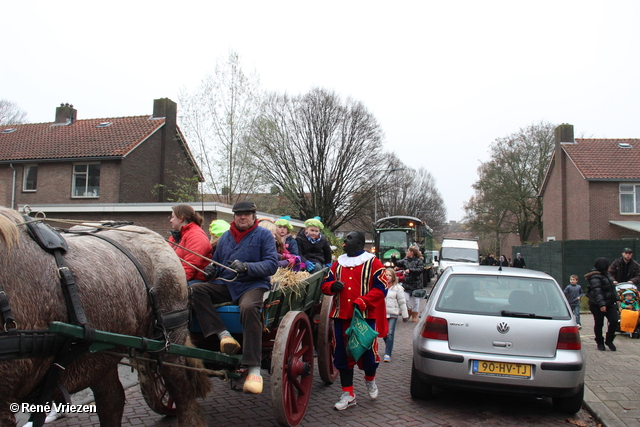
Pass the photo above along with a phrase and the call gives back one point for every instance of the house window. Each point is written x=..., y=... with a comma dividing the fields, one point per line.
x=630, y=198
x=86, y=180
x=30, y=180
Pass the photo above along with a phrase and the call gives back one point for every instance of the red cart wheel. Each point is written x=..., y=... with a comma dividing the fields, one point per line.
x=154, y=390
x=326, y=343
x=292, y=368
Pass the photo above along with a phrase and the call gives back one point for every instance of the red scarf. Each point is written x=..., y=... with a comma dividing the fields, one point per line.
x=239, y=235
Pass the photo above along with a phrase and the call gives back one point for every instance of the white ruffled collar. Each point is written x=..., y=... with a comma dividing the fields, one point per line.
x=354, y=261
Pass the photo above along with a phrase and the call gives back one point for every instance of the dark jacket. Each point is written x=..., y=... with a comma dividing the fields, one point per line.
x=413, y=280
x=601, y=291
x=519, y=262
x=319, y=252
x=291, y=245
x=258, y=250
x=617, y=270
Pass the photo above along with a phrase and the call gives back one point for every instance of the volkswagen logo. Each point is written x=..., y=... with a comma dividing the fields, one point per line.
x=503, y=327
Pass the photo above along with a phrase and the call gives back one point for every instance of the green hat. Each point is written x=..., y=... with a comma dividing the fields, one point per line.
x=284, y=222
x=314, y=222
x=218, y=227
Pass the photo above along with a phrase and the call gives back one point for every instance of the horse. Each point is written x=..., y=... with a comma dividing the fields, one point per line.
x=115, y=299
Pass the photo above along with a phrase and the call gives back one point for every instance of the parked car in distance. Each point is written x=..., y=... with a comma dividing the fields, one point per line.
x=503, y=330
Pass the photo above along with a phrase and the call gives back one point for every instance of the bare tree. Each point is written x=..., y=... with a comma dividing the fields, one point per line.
x=322, y=153
x=11, y=114
x=505, y=199
x=406, y=191
x=217, y=118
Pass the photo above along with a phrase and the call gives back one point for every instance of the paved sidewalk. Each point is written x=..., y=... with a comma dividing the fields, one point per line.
x=612, y=382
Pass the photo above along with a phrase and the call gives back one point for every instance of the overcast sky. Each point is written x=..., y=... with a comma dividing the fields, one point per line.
x=444, y=78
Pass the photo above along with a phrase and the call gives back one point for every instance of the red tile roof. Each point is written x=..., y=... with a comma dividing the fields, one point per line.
x=82, y=139
x=605, y=158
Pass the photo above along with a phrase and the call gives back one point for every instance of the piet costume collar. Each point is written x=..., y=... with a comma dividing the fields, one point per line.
x=354, y=261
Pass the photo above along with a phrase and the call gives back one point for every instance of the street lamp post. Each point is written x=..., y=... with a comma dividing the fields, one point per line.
x=375, y=193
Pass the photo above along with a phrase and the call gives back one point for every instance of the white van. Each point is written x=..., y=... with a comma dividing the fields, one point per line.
x=457, y=252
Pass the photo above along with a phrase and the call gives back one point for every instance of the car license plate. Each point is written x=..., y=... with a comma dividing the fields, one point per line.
x=500, y=369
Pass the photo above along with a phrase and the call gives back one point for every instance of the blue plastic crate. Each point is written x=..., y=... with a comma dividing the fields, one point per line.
x=230, y=315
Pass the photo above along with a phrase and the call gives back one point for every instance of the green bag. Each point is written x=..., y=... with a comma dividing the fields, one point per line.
x=360, y=336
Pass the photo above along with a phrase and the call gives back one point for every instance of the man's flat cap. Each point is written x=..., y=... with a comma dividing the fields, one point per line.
x=244, y=206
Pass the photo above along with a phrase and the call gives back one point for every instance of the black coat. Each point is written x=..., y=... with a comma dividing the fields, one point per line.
x=319, y=252
x=413, y=280
x=601, y=291
x=618, y=270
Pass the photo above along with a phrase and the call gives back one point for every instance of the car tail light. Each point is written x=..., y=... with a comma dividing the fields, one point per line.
x=569, y=338
x=435, y=328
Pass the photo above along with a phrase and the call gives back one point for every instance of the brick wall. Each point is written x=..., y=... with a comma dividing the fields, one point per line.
x=55, y=183
x=552, y=206
x=141, y=171
x=578, y=213
x=156, y=221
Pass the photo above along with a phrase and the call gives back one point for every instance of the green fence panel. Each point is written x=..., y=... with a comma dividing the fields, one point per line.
x=561, y=259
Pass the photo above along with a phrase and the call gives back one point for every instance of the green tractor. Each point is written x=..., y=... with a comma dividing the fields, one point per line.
x=393, y=235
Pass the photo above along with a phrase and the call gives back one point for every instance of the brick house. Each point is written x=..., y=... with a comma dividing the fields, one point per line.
x=91, y=168
x=592, y=189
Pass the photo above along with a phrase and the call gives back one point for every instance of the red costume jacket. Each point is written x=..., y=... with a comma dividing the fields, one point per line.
x=364, y=284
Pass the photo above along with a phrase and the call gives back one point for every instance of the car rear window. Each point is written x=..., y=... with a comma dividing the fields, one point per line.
x=491, y=295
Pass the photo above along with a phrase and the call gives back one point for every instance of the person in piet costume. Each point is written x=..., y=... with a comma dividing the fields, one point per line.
x=357, y=279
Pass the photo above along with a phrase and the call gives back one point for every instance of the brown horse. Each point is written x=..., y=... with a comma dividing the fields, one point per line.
x=114, y=298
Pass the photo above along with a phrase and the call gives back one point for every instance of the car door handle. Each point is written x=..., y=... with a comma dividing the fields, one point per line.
x=502, y=344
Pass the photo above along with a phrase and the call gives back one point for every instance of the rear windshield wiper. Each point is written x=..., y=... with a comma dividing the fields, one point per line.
x=505, y=313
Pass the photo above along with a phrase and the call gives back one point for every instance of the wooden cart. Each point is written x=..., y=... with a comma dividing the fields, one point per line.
x=296, y=324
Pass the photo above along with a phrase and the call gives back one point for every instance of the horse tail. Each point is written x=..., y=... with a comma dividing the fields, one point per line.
x=9, y=232
x=198, y=380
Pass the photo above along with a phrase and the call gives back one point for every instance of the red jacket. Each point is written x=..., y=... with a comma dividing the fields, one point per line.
x=364, y=284
x=195, y=239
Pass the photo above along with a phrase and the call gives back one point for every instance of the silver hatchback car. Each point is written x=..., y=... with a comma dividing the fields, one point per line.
x=504, y=330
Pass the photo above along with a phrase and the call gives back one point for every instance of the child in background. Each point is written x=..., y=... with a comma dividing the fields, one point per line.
x=284, y=232
x=573, y=292
x=396, y=306
x=629, y=302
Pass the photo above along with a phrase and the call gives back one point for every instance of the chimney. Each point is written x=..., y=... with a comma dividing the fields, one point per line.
x=564, y=134
x=66, y=114
x=164, y=107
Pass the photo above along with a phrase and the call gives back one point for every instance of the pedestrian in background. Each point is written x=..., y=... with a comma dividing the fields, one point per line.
x=574, y=293
x=502, y=261
x=396, y=306
x=602, y=303
x=625, y=269
x=519, y=261
x=413, y=266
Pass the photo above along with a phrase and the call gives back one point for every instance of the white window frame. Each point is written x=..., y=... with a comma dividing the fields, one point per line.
x=631, y=192
x=27, y=168
x=87, y=193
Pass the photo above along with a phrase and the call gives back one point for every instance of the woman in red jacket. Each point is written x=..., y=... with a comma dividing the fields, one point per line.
x=186, y=231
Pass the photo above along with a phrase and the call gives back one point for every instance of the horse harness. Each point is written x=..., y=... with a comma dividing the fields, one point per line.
x=19, y=344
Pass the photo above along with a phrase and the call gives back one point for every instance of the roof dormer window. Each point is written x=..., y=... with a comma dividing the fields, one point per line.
x=104, y=124
x=9, y=130
x=624, y=145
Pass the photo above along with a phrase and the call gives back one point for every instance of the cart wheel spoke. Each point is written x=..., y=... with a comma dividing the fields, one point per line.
x=292, y=368
x=155, y=391
x=326, y=342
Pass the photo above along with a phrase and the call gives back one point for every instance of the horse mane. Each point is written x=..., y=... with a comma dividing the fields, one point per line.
x=9, y=232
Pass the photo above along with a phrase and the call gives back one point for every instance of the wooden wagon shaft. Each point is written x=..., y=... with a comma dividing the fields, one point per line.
x=139, y=343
